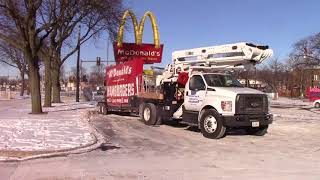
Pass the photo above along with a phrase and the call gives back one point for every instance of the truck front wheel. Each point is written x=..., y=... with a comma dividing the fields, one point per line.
x=149, y=114
x=211, y=124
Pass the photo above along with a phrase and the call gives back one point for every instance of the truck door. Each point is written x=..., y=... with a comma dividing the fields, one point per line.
x=195, y=93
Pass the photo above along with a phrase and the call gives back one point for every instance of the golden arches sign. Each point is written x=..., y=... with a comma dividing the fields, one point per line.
x=138, y=28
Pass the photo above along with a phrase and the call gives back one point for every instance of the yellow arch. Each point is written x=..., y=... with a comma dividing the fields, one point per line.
x=154, y=28
x=138, y=30
x=122, y=25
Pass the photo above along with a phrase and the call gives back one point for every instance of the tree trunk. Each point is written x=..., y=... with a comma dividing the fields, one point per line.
x=22, y=83
x=34, y=79
x=55, y=73
x=47, y=82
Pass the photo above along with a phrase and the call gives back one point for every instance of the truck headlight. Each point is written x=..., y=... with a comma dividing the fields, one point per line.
x=226, y=105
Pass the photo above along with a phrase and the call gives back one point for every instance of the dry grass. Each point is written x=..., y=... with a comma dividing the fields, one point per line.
x=22, y=154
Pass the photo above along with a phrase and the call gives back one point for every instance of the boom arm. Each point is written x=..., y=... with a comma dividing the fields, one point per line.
x=215, y=58
x=230, y=55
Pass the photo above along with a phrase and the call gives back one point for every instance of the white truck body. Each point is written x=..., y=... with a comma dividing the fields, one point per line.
x=197, y=90
x=214, y=92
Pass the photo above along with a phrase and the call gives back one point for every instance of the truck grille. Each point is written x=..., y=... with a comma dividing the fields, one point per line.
x=251, y=104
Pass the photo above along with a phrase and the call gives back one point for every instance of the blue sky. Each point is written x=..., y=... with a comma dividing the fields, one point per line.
x=195, y=23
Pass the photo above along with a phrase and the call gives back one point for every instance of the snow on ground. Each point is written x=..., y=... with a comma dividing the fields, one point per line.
x=8, y=95
x=290, y=151
x=63, y=127
x=294, y=110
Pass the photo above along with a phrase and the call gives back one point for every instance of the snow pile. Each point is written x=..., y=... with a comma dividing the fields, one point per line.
x=63, y=127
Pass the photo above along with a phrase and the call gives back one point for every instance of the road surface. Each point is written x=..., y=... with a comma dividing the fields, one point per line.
x=291, y=150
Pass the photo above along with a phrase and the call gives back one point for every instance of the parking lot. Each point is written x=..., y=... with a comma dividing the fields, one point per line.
x=290, y=150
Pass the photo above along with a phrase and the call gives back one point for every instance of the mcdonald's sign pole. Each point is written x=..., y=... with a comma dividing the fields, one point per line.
x=149, y=53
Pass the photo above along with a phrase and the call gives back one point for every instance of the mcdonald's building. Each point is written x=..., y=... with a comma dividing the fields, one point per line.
x=149, y=53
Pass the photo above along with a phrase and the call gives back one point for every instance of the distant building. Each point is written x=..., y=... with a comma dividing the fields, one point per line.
x=71, y=84
x=312, y=77
x=304, y=79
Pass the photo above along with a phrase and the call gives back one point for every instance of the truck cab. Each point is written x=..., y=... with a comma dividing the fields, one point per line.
x=217, y=101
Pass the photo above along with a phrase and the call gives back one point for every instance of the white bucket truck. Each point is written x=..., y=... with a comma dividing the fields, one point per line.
x=196, y=89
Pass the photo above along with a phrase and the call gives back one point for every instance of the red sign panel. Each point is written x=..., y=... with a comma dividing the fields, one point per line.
x=313, y=93
x=123, y=81
x=129, y=51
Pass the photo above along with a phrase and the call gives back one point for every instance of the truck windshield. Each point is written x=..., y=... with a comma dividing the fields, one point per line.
x=221, y=80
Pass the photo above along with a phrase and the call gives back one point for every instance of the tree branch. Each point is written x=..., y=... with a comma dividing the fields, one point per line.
x=3, y=61
x=11, y=41
x=75, y=49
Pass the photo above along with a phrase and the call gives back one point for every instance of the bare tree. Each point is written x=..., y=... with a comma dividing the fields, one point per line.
x=26, y=24
x=276, y=68
x=94, y=16
x=4, y=80
x=19, y=19
x=274, y=74
x=73, y=71
x=306, y=52
x=47, y=58
x=13, y=57
x=97, y=75
x=305, y=55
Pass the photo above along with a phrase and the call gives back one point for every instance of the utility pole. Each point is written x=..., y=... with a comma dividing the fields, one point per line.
x=78, y=68
x=302, y=78
x=108, y=49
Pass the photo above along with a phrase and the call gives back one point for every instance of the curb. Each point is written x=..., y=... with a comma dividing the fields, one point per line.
x=100, y=140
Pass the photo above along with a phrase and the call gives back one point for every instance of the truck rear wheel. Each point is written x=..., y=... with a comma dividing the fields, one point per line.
x=149, y=114
x=257, y=131
x=211, y=124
